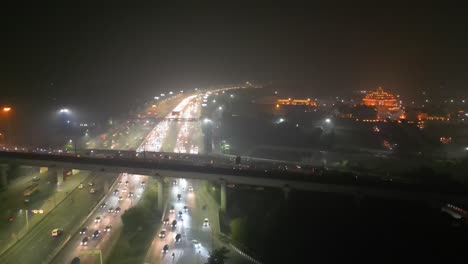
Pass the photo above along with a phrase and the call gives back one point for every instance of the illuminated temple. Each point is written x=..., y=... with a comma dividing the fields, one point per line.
x=385, y=103
x=380, y=98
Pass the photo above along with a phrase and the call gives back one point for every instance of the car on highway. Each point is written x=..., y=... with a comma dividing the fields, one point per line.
x=80, y=186
x=142, y=183
x=126, y=182
x=174, y=223
x=117, y=210
x=174, y=183
x=56, y=232
x=103, y=205
x=178, y=237
x=196, y=244
x=11, y=218
x=115, y=192
x=97, y=219
x=91, y=183
x=171, y=209
x=35, y=178
x=120, y=198
x=130, y=194
x=124, y=190
x=162, y=234
x=92, y=191
x=206, y=222
x=179, y=196
x=108, y=228
x=190, y=189
x=83, y=230
x=110, y=210
x=165, y=249
x=119, y=183
x=76, y=260
x=166, y=221
x=180, y=214
x=185, y=208
x=84, y=241
x=96, y=234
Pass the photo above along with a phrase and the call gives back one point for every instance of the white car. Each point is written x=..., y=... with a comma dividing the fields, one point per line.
x=196, y=244
x=97, y=220
x=206, y=222
x=56, y=232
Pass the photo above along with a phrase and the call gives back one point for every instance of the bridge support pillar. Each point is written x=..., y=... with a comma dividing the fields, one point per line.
x=59, y=173
x=286, y=190
x=223, y=196
x=160, y=193
x=4, y=175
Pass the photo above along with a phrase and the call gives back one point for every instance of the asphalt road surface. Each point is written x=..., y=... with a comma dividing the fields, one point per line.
x=104, y=241
x=38, y=244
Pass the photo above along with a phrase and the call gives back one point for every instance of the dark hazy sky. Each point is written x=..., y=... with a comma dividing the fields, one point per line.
x=107, y=54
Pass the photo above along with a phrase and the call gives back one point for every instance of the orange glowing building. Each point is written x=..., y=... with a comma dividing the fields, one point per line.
x=290, y=101
x=385, y=104
x=380, y=98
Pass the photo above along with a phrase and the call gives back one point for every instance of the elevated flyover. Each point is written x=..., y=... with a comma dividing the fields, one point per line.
x=222, y=170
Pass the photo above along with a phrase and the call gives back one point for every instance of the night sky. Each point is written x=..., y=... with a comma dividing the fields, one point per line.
x=100, y=57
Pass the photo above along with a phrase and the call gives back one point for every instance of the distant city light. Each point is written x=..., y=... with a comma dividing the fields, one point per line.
x=281, y=120
x=276, y=92
x=68, y=121
x=170, y=92
x=206, y=120
x=64, y=110
x=6, y=109
x=328, y=120
x=156, y=98
x=181, y=91
x=214, y=101
x=232, y=96
x=220, y=108
x=203, y=104
x=162, y=95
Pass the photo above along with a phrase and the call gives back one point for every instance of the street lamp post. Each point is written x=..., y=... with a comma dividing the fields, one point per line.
x=7, y=110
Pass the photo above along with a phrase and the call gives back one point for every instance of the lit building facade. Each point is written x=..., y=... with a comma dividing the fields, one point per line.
x=380, y=98
x=385, y=104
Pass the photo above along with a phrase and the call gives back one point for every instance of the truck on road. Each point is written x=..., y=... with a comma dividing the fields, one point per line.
x=29, y=191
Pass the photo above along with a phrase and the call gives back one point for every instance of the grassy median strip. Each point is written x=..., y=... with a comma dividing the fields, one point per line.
x=139, y=225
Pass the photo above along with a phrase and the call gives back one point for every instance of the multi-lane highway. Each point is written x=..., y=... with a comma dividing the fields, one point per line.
x=187, y=203
x=104, y=225
x=38, y=245
x=47, y=196
x=197, y=239
x=96, y=237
